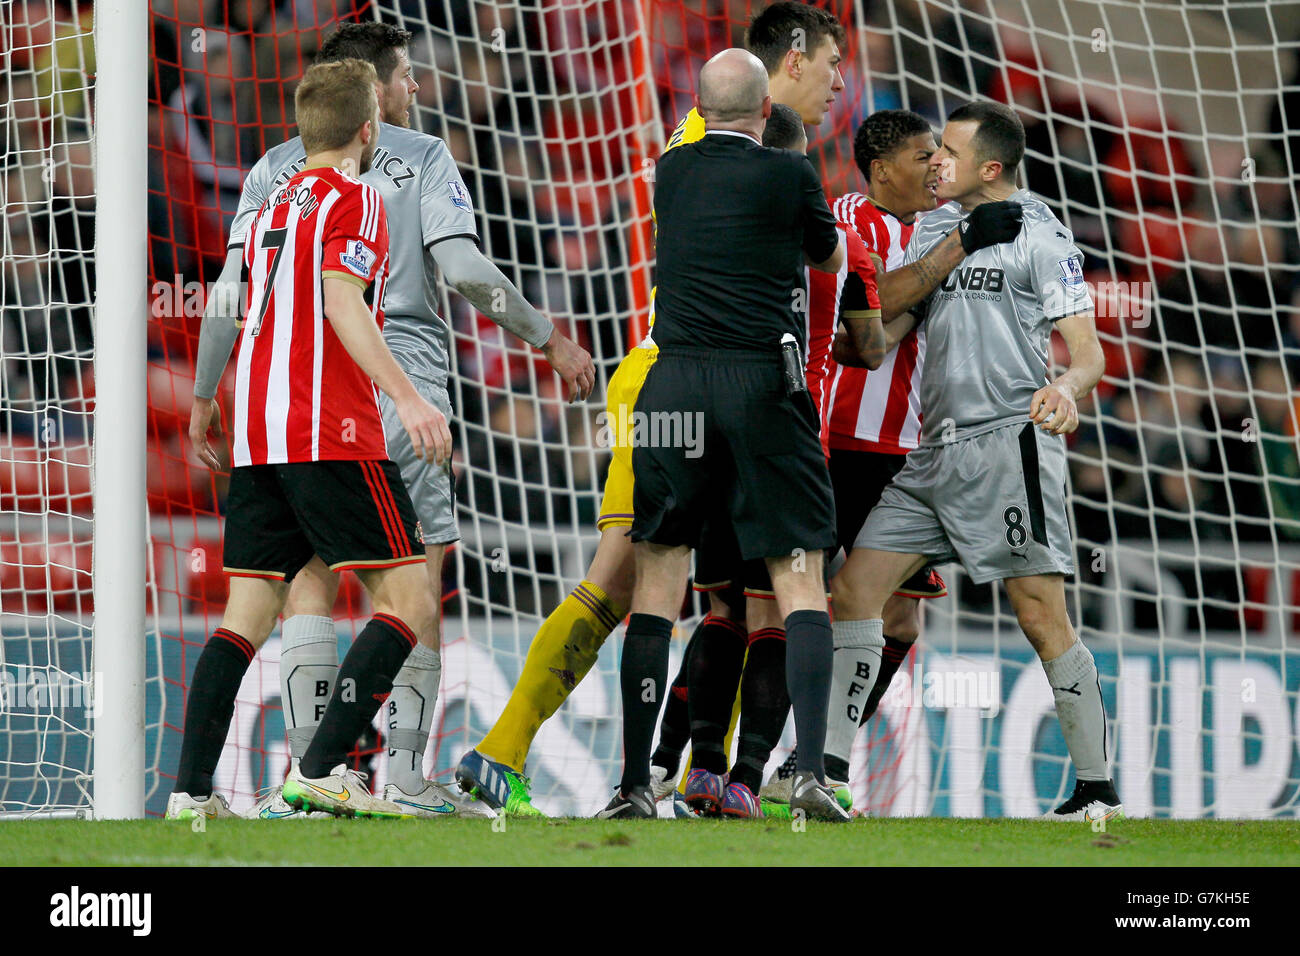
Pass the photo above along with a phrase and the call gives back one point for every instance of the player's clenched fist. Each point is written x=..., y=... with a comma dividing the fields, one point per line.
x=1054, y=410
x=991, y=223
x=427, y=427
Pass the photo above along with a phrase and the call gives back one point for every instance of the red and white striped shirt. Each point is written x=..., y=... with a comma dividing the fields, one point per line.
x=299, y=396
x=824, y=303
x=878, y=411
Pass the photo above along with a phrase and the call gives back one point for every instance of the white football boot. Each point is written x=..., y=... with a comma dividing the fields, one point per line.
x=816, y=800
x=181, y=806
x=272, y=806
x=342, y=793
x=662, y=786
x=1093, y=801
x=436, y=801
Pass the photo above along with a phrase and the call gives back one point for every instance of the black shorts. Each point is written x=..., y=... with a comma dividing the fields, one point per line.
x=355, y=514
x=859, y=477
x=720, y=568
x=718, y=436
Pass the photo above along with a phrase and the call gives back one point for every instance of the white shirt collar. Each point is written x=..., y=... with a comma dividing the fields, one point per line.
x=733, y=132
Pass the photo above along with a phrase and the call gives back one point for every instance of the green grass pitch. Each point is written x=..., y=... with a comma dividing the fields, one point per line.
x=885, y=842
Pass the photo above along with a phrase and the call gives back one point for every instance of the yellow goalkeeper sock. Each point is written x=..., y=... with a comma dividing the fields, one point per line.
x=564, y=649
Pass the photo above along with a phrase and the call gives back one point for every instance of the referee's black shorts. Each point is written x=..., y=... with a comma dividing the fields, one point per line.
x=720, y=569
x=755, y=455
x=356, y=515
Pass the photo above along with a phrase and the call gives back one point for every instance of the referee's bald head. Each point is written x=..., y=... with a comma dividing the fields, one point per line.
x=733, y=87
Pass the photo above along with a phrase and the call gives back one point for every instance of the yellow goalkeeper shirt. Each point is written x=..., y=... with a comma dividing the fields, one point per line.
x=689, y=130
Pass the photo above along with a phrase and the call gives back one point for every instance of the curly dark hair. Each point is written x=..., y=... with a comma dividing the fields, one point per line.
x=883, y=133
x=771, y=34
x=376, y=43
x=784, y=128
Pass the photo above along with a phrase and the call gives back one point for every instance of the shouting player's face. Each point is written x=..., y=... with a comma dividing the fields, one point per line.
x=912, y=177
x=961, y=174
x=819, y=80
x=399, y=93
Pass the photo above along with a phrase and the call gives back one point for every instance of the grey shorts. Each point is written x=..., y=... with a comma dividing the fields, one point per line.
x=432, y=487
x=995, y=502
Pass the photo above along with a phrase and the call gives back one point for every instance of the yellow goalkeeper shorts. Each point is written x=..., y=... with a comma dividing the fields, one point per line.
x=620, y=400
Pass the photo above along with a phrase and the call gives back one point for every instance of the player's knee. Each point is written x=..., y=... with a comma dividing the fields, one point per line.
x=842, y=592
x=613, y=567
x=420, y=613
x=1036, y=618
x=728, y=604
x=851, y=596
x=762, y=613
x=313, y=590
x=404, y=593
x=902, y=619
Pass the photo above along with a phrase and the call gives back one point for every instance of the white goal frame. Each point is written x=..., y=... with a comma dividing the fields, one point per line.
x=121, y=317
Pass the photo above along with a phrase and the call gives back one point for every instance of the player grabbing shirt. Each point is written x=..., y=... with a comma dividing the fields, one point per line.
x=573, y=633
x=987, y=484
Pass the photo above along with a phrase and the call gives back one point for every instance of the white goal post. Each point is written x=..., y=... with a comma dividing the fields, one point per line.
x=121, y=314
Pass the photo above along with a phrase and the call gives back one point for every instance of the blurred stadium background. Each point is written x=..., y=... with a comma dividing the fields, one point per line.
x=1166, y=135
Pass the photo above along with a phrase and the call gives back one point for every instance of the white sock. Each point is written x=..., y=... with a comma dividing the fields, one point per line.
x=1079, y=708
x=309, y=665
x=858, y=645
x=410, y=715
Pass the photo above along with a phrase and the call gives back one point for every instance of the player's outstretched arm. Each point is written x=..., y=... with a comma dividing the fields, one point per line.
x=990, y=224
x=475, y=277
x=1054, y=407
x=217, y=337
x=348, y=313
x=900, y=289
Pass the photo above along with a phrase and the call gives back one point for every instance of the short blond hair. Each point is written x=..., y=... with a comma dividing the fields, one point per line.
x=332, y=103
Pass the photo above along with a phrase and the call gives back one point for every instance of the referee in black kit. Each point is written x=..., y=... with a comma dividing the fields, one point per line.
x=736, y=224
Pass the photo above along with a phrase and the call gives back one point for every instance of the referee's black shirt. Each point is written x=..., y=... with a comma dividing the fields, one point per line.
x=734, y=220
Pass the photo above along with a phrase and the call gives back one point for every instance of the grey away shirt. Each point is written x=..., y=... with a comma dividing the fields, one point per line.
x=988, y=324
x=426, y=201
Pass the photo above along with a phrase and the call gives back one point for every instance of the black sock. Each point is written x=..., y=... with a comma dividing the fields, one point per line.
x=364, y=683
x=209, y=707
x=891, y=658
x=808, y=656
x=837, y=768
x=764, y=706
x=715, y=667
x=675, y=728
x=643, y=679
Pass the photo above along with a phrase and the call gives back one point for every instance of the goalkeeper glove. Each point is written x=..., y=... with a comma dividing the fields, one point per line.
x=991, y=223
